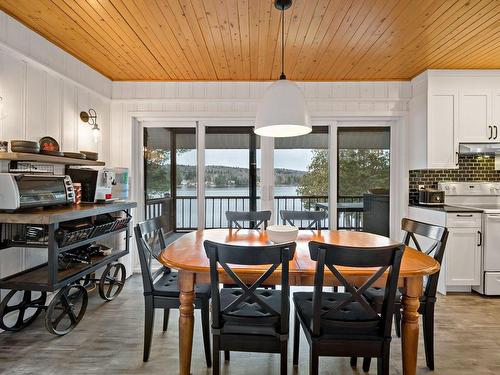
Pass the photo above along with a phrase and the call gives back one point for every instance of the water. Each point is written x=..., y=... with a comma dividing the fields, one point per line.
x=234, y=191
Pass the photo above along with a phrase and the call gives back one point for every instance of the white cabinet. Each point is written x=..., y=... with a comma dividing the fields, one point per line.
x=442, y=135
x=463, y=257
x=461, y=267
x=479, y=116
x=451, y=108
x=475, y=116
x=495, y=110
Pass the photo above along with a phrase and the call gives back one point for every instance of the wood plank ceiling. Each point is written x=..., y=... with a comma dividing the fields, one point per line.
x=326, y=40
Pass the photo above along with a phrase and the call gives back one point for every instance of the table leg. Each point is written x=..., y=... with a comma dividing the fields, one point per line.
x=186, y=321
x=409, y=337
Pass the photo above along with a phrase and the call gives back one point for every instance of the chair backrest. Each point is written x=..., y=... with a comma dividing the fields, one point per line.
x=435, y=238
x=312, y=218
x=150, y=239
x=254, y=218
x=273, y=255
x=384, y=258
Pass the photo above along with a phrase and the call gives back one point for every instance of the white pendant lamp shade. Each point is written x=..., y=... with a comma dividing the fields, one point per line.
x=282, y=112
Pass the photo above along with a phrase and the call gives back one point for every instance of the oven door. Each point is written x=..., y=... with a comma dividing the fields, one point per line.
x=491, y=242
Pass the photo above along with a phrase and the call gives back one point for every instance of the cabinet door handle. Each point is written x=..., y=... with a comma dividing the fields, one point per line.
x=496, y=131
x=491, y=131
x=480, y=238
x=462, y=215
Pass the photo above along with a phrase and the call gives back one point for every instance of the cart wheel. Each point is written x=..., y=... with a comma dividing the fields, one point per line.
x=18, y=315
x=66, y=309
x=112, y=281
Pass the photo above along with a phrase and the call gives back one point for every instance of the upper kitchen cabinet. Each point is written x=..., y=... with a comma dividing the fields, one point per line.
x=448, y=108
x=475, y=121
x=433, y=128
x=495, y=112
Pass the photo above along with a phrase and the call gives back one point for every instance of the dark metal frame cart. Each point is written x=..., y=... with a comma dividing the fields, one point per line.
x=28, y=289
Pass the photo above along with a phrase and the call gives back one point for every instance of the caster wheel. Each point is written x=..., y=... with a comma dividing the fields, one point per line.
x=112, y=281
x=66, y=309
x=14, y=316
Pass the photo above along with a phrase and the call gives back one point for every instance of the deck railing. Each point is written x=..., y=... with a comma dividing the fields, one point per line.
x=349, y=217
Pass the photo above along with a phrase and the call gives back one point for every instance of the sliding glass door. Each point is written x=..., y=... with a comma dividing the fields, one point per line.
x=232, y=161
x=170, y=176
x=301, y=176
x=363, y=179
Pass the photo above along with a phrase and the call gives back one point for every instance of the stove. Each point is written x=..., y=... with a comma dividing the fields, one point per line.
x=483, y=196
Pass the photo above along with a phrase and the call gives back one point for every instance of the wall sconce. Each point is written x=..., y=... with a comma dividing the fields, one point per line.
x=90, y=117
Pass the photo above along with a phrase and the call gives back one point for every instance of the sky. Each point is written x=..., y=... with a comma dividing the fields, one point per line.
x=297, y=159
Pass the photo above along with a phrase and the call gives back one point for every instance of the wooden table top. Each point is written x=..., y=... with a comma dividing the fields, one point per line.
x=57, y=214
x=188, y=253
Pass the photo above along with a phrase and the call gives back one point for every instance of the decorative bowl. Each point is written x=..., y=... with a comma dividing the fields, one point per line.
x=282, y=233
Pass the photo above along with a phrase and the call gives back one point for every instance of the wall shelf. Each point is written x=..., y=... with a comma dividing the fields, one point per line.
x=41, y=158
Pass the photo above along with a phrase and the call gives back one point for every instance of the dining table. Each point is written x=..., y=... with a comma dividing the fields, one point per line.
x=187, y=255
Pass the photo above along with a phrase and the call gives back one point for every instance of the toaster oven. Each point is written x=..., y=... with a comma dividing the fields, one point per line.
x=431, y=197
x=20, y=191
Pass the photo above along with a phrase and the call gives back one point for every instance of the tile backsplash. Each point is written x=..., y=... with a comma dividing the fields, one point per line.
x=471, y=168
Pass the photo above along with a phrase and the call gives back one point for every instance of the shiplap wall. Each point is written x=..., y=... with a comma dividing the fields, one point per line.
x=204, y=101
x=43, y=90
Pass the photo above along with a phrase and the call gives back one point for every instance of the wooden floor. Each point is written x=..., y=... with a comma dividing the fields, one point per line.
x=109, y=341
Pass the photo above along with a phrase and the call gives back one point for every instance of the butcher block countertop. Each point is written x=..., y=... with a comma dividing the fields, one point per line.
x=51, y=215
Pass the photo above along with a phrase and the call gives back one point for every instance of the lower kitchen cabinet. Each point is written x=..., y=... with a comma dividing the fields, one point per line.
x=461, y=267
x=463, y=256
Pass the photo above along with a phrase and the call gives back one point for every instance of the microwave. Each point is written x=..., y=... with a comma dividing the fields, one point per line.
x=28, y=190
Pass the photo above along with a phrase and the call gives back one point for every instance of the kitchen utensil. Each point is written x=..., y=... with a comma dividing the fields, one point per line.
x=51, y=153
x=30, y=150
x=90, y=155
x=49, y=144
x=74, y=155
x=24, y=144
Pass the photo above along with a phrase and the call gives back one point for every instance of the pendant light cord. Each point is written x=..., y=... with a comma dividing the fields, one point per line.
x=283, y=76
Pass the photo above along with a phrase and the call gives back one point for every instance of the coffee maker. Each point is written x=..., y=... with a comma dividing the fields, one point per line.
x=97, y=184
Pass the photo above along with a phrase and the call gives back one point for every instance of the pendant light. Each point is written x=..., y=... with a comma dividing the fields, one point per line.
x=282, y=112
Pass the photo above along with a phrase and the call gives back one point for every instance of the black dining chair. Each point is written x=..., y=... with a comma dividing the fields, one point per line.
x=255, y=219
x=345, y=324
x=161, y=289
x=435, y=238
x=313, y=219
x=247, y=318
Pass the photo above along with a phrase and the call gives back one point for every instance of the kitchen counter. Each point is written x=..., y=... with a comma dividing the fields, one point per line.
x=446, y=208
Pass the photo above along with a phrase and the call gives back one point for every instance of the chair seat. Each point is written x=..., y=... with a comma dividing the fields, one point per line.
x=250, y=317
x=346, y=320
x=376, y=295
x=167, y=285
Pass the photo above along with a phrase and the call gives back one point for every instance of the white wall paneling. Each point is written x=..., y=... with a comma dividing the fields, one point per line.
x=43, y=90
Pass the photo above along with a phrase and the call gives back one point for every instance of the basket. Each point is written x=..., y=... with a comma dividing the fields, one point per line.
x=122, y=222
x=65, y=237
x=102, y=229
